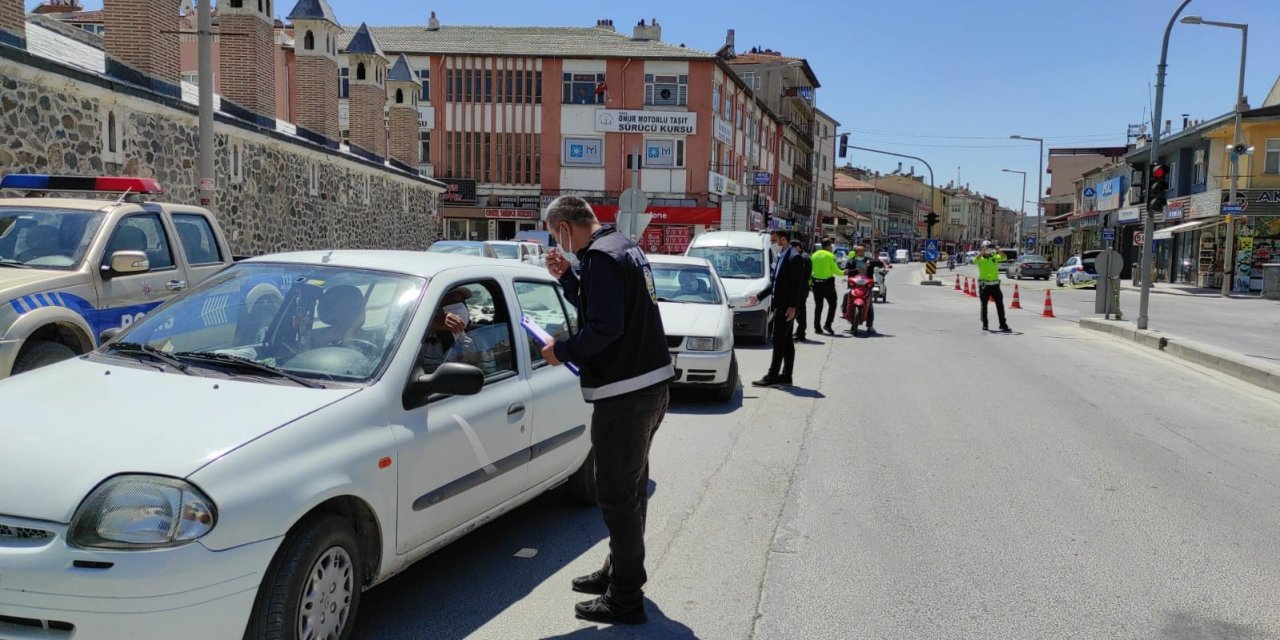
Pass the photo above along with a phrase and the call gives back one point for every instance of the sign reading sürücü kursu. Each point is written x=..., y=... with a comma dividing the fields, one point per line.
x=669, y=122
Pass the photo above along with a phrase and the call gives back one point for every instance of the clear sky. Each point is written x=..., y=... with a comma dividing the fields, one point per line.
x=945, y=80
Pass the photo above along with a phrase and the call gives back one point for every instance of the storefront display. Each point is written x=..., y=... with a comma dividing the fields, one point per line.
x=1257, y=243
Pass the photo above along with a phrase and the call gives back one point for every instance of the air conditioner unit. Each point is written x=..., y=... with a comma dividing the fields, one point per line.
x=1135, y=194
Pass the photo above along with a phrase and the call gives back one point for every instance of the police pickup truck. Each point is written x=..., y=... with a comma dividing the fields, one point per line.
x=74, y=268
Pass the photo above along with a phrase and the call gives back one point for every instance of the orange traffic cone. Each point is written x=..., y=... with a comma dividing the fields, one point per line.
x=957, y=282
x=1048, y=305
x=966, y=286
x=973, y=288
x=1017, y=304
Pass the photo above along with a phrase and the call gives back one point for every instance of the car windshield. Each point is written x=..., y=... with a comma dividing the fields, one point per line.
x=460, y=248
x=685, y=283
x=321, y=322
x=506, y=251
x=45, y=238
x=732, y=262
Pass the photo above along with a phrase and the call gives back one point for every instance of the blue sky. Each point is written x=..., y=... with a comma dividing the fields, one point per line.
x=948, y=81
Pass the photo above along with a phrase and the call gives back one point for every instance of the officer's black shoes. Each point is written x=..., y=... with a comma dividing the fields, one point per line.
x=595, y=583
x=605, y=611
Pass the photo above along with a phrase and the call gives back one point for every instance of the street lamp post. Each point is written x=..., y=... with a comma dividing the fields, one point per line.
x=1237, y=148
x=1039, y=187
x=1023, y=207
x=926, y=165
x=1149, y=224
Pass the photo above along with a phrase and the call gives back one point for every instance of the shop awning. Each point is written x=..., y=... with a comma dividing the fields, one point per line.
x=1167, y=232
x=1060, y=233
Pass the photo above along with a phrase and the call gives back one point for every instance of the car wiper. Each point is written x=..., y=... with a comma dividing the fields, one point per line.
x=662, y=299
x=134, y=348
x=15, y=265
x=247, y=364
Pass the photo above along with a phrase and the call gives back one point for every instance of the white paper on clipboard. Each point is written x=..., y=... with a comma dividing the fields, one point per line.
x=534, y=329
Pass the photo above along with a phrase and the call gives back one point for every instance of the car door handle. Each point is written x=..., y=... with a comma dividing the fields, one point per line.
x=176, y=285
x=515, y=409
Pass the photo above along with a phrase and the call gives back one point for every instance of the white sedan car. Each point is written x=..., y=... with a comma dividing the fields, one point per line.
x=220, y=470
x=699, y=323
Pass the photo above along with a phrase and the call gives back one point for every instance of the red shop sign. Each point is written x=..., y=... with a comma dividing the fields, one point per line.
x=664, y=215
x=511, y=214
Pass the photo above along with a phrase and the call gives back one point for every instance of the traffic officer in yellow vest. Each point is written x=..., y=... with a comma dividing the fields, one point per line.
x=988, y=262
x=824, y=275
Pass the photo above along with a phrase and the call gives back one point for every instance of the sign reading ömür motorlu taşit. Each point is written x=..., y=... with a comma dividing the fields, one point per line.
x=669, y=122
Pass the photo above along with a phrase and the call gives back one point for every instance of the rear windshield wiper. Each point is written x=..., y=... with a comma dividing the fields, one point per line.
x=134, y=348
x=247, y=364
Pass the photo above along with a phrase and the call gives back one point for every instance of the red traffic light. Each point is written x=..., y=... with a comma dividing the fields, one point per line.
x=1159, y=171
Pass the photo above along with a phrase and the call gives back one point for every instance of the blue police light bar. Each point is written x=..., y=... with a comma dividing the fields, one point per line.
x=104, y=184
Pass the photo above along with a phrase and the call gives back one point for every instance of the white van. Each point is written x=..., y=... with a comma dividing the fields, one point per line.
x=902, y=256
x=742, y=260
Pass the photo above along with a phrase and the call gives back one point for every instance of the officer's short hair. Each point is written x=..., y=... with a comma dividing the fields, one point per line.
x=826, y=243
x=571, y=209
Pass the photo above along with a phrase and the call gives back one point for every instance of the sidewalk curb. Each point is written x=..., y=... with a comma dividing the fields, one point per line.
x=1233, y=364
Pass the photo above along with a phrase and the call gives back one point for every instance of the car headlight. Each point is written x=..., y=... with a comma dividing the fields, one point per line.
x=703, y=344
x=142, y=512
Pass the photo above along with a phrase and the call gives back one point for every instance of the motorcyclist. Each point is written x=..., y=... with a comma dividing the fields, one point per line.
x=865, y=263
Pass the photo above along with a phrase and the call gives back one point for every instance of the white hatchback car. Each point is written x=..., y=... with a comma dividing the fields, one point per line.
x=225, y=469
x=698, y=322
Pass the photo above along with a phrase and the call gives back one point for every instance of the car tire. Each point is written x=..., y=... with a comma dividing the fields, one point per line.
x=1058, y=280
x=724, y=393
x=581, y=486
x=41, y=353
x=322, y=549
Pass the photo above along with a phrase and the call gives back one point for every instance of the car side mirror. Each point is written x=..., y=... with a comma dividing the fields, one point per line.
x=127, y=262
x=451, y=378
x=108, y=334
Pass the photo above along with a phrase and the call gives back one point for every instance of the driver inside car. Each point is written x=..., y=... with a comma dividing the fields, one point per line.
x=447, y=340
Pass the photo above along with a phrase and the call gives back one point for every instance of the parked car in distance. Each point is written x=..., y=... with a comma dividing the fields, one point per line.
x=902, y=256
x=285, y=461
x=1078, y=269
x=1010, y=257
x=526, y=252
x=462, y=247
x=699, y=324
x=1030, y=266
x=883, y=256
x=78, y=267
x=741, y=259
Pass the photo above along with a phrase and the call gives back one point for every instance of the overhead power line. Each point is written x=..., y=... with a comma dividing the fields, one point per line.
x=906, y=134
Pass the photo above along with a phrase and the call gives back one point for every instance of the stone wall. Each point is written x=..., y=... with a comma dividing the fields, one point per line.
x=287, y=195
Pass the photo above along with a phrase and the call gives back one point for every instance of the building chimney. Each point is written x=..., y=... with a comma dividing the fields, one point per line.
x=315, y=81
x=403, y=88
x=141, y=43
x=247, y=56
x=368, y=93
x=433, y=24
x=1168, y=127
x=605, y=24
x=647, y=32
x=13, y=23
x=728, y=39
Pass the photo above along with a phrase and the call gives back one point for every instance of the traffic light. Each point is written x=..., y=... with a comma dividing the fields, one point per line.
x=844, y=145
x=931, y=219
x=1156, y=187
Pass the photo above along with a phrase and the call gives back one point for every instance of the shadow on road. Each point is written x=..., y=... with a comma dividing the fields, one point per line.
x=659, y=627
x=702, y=403
x=455, y=591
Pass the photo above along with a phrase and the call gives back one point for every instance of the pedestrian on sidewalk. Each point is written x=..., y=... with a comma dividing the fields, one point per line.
x=824, y=272
x=621, y=351
x=786, y=283
x=806, y=264
x=988, y=263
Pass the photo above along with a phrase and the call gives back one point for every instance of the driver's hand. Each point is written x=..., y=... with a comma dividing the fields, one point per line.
x=454, y=323
x=557, y=264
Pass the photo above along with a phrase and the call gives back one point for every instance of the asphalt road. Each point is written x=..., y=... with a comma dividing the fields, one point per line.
x=1245, y=325
x=934, y=482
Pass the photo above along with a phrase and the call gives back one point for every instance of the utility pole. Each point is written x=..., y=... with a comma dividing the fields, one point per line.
x=1149, y=225
x=207, y=180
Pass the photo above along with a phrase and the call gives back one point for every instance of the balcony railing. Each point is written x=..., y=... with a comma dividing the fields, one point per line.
x=801, y=172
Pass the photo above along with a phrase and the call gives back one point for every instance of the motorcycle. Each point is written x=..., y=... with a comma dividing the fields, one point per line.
x=951, y=264
x=879, y=289
x=857, y=301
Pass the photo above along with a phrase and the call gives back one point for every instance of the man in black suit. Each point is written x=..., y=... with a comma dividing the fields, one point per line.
x=787, y=285
x=807, y=263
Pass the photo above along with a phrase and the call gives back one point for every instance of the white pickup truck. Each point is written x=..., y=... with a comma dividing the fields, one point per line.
x=73, y=268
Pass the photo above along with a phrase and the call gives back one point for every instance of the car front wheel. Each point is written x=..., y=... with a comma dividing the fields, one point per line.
x=725, y=392
x=41, y=353
x=312, y=588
